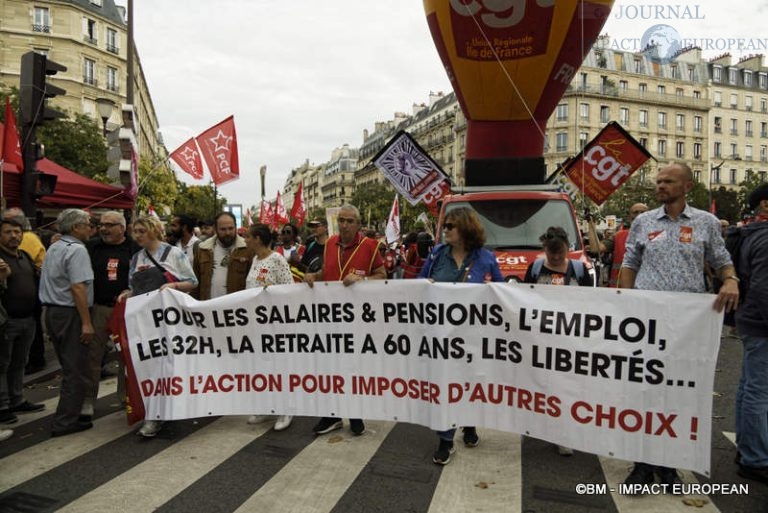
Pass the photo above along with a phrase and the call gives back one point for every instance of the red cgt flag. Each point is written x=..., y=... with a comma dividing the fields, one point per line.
x=247, y=217
x=299, y=209
x=267, y=214
x=281, y=216
x=219, y=147
x=188, y=159
x=11, y=150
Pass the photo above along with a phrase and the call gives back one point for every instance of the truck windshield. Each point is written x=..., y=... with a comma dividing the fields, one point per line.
x=518, y=224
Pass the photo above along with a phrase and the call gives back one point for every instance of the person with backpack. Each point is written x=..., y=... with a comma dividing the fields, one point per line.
x=751, y=260
x=461, y=259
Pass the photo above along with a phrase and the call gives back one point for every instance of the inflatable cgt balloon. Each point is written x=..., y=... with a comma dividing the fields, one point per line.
x=509, y=62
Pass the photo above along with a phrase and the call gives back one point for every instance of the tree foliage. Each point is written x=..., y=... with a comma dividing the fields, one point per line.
x=197, y=201
x=157, y=187
x=77, y=143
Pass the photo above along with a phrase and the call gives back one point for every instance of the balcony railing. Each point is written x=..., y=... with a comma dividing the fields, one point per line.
x=112, y=48
x=89, y=39
x=41, y=28
x=90, y=80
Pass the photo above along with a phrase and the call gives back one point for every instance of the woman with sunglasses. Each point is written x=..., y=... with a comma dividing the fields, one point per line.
x=461, y=258
x=267, y=268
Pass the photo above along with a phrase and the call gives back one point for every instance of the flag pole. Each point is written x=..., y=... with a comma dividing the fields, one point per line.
x=215, y=195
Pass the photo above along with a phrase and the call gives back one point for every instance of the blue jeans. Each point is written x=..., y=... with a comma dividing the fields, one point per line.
x=752, y=403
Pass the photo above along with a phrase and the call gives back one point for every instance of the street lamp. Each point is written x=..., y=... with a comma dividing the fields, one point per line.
x=105, y=107
x=712, y=169
x=263, y=173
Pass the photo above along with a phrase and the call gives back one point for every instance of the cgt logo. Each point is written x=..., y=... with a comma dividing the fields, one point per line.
x=497, y=14
x=606, y=166
x=504, y=259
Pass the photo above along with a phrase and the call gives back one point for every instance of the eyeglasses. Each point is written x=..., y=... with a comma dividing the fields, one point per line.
x=347, y=220
x=449, y=226
x=108, y=225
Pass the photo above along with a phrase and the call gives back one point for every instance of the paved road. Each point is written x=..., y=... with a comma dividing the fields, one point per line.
x=224, y=465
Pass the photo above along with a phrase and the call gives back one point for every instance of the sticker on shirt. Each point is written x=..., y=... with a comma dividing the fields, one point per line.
x=558, y=279
x=359, y=272
x=656, y=236
x=686, y=234
x=112, y=264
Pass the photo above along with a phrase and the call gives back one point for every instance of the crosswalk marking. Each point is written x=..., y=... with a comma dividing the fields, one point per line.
x=481, y=478
x=53, y=452
x=171, y=470
x=617, y=470
x=323, y=471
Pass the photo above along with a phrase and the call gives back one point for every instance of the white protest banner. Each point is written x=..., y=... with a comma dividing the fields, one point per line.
x=623, y=373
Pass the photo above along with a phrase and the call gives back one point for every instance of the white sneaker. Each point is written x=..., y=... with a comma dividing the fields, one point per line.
x=564, y=451
x=283, y=421
x=5, y=434
x=258, y=419
x=150, y=428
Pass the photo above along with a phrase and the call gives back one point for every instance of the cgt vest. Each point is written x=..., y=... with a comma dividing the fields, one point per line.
x=359, y=262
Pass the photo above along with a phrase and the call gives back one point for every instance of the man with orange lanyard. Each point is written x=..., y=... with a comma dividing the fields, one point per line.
x=349, y=257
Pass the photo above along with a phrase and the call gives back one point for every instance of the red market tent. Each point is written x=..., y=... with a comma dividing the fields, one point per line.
x=72, y=190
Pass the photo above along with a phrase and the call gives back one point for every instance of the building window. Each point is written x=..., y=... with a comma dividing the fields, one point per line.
x=624, y=115
x=663, y=120
x=697, y=151
x=680, y=122
x=662, y=147
x=584, y=111
x=562, y=142
x=763, y=129
x=748, y=152
x=89, y=31
x=697, y=94
x=733, y=74
x=717, y=73
x=697, y=175
x=89, y=72
x=718, y=124
x=697, y=123
x=691, y=72
x=716, y=175
x=734, y=127
x=675, y=69
x=747, y=78
x=562, y=112
x=718, y=150
x=761, y=175
x=583, y=77
x=583, y=139
x=763, y=79
x=642, y=87
x=748, y=102
x=42, y=22
x=623, y=85
x=643, y=142
x=605, y=114
x=680, y=149
x=733, y=176
x=112, y=41
x=734, y=100
x=112, y=80
x=735, y=151
x=718, y=97
x=638, y=65
x=643, y=118
x=748, y=128
x=661, y=89
x=763, y=105
x=679, y=92
x=763, y=153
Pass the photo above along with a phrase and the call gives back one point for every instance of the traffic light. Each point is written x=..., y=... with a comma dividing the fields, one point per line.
x=34, y=88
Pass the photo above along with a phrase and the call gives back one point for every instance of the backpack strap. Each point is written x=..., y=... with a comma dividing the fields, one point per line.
x=536, y=268
x=578, y=269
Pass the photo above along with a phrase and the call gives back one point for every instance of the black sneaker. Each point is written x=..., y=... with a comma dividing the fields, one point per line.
x=641, y=475
x=443, y=453
x=754, y=473
x=669, y=477
x=27, y=407
x=326, y=425
x=356, y=426
x=7, y=417
x=470, y=437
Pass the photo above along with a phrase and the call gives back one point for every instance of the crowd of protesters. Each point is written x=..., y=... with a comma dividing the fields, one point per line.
x=73, y=277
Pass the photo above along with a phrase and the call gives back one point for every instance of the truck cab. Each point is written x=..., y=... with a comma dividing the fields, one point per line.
x=514, y=218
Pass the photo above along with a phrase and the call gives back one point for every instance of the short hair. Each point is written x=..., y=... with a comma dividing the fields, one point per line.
x=13, y=222
x=224, y=213
x=188, y=221
x=18, y=214
x=114, y=213
x=294, y=229
x=468, y=225
x=262, y=232
x=353, y=208
x=687, y=171
x=554, y=239
x=152, y=225
x=71, y=217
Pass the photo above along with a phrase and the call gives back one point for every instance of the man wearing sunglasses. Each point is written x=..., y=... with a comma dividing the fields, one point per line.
x=349, y=257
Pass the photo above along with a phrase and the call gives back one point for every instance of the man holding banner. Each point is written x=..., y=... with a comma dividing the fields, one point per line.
x=349, y=257
x=666, y=250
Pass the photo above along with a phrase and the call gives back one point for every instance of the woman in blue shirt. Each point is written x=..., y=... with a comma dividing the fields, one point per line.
x=461, y=258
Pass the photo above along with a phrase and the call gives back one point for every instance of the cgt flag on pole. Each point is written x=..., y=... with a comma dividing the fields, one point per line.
x=219, y=147
x=299, y=208
x=392, y=231
x=11, y=149
x=267, y=214
x=247, y=217
x=188, y=158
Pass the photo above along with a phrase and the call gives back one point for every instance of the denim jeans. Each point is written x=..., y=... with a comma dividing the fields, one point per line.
x=752, y=403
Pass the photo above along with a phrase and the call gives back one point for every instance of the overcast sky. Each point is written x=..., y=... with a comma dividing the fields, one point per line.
x=305, y=76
